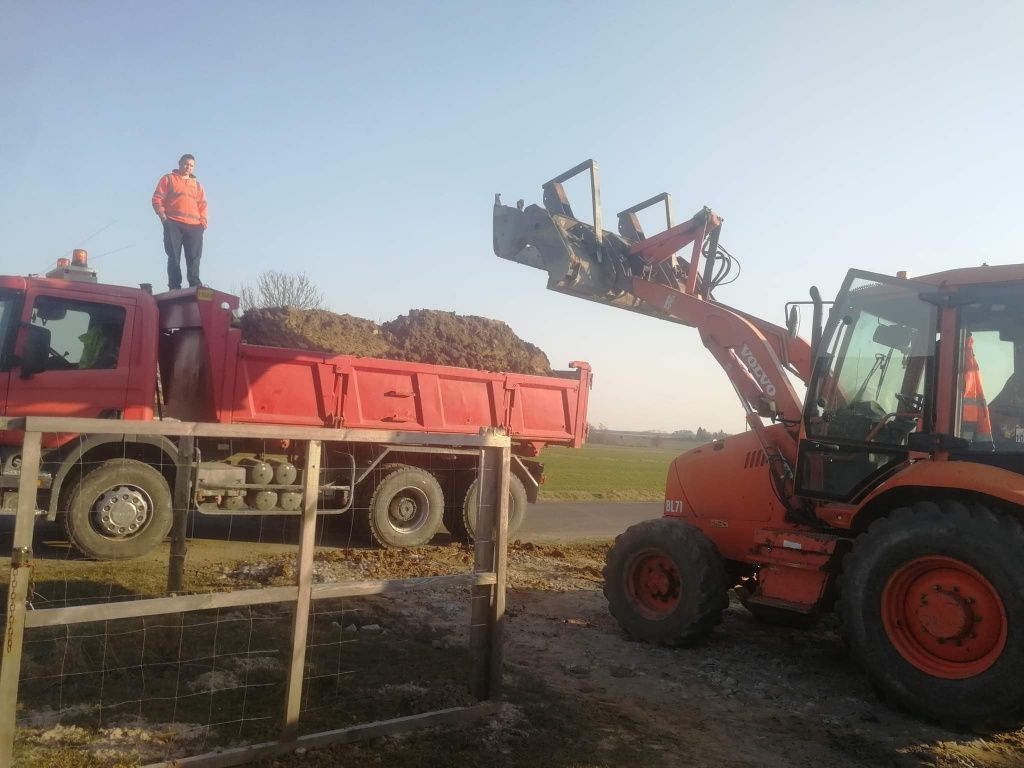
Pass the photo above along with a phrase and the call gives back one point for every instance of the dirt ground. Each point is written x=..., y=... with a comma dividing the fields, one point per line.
x=580, y=695
x=752, y=696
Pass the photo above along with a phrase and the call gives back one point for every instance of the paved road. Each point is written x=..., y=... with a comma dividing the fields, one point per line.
x=584, y=520
x=548, y=522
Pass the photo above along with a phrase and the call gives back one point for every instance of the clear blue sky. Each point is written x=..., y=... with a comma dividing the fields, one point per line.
x=362, y=143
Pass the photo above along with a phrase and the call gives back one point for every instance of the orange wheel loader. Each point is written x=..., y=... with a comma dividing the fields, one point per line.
x=893, y=493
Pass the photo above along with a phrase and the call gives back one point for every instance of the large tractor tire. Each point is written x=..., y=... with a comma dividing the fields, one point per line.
x=406, y=508
x=932, y=608
x=121, y=509
x=665, y=583
x=517, y=502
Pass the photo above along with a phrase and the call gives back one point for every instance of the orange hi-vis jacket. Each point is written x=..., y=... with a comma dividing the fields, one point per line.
x=180, y=198
x=975, y=423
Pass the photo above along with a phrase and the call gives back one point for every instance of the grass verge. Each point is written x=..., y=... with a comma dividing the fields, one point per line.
x=605, y=472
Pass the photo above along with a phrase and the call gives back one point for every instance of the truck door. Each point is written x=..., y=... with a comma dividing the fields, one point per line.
x=870, y=388
x=74, y=355
x=8, y=330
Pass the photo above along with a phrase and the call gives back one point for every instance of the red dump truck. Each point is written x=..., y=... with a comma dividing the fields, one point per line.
x=71, y=346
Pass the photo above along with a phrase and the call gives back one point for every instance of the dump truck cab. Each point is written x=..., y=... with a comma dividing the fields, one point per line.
x=75, y=347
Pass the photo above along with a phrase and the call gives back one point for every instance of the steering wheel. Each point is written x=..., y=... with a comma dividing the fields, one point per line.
x=59, y=358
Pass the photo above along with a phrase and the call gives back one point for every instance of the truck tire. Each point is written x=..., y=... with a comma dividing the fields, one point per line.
x=932, y=608
x=516, y=507
x=121, y=509
x=665, y=583
x=406, y=508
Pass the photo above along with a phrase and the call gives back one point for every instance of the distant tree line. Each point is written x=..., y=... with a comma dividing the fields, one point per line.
x=653, y=438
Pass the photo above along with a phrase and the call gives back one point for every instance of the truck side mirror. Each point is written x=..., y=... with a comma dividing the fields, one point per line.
x=37, y=351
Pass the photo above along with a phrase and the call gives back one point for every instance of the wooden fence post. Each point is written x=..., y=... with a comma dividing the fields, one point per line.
x=487, y=622
x=300, y=625
x=17, y=593
x=182, y=502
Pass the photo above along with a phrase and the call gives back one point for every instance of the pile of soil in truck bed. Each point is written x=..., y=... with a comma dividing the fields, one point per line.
x=422, y=336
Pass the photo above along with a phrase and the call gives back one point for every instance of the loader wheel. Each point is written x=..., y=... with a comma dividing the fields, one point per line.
x=516, y=507
x=121, y=509
x=665, y=583
x=932, y=605
x=406, y=508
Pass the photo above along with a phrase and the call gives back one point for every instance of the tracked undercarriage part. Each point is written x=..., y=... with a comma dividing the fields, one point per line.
x=584, y=260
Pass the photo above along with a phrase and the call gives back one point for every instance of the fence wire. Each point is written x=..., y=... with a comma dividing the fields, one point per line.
x=153, y=688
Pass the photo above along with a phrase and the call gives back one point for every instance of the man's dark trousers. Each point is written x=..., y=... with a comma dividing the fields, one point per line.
x=176, y=236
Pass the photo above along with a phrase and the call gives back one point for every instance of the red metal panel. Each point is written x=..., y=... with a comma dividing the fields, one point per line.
x=467, y=404
x=279, y=389
x=249, y=383
x=387, y=397
x=541, y=410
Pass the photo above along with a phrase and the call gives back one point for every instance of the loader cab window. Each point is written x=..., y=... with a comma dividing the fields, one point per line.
x=82, y=335
x=871, y=373
x=870, y=387
x=990, y=373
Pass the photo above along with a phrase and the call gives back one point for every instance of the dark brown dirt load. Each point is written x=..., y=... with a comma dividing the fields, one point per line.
x=422, y=336
x=467, y=341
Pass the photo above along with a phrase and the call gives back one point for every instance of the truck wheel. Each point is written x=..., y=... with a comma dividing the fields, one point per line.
x=932, y=606
x=665, y=582
x=516, y=507
x=121, y=509
x=406, y=508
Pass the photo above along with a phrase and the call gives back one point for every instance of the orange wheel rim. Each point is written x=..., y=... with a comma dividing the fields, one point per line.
x=654, y=584
x=944, y=617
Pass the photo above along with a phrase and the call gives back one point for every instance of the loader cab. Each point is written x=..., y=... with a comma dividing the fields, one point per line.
x=872, y=386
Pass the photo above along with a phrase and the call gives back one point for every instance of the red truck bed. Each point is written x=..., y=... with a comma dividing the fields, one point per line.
x=209, y=374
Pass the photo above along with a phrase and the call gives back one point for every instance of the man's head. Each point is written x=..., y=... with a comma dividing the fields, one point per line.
x=186, y=165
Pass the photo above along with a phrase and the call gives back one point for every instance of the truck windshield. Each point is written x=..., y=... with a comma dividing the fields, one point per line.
x=869, y=381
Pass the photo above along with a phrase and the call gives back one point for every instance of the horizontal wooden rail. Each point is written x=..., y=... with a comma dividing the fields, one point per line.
x=53, y=425
x=129, y=609
x=242, y=755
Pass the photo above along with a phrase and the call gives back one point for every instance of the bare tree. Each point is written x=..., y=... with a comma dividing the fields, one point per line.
x=281, y=289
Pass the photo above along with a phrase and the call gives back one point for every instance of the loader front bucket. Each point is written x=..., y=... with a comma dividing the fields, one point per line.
x=567, y=249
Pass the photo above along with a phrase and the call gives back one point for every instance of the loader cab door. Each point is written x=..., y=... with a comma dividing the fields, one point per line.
x=72, y=356
x=989, y=409
x=870, y=389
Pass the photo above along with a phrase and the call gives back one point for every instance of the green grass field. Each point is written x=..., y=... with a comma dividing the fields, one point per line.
x=610, y=472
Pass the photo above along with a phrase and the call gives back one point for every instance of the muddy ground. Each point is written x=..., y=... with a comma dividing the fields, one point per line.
x=578, y=692
x=752, y=696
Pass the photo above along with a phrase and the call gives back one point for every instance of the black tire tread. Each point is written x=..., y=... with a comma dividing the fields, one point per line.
x=467, y=523
x=421, y=537
x=998, y=707
x=686, y=544
x=136, y=546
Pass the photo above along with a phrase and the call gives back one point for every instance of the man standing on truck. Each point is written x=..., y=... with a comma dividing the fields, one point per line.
x=180, y=202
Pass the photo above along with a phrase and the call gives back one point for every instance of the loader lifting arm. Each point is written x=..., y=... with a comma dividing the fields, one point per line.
x=644, y=275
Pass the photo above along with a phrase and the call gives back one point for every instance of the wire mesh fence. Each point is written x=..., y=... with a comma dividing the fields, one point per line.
x=264, y=623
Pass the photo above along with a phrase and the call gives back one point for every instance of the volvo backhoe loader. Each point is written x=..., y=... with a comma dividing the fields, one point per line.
x=893, y=493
